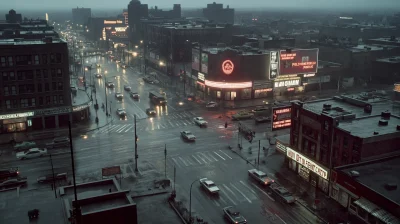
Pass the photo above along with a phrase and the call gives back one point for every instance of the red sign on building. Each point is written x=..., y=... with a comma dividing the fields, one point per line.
x=298, y=61
x=227, y=67
x=281, y=117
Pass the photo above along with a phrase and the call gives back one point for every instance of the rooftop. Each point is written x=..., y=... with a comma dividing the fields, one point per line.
x=187, y=26
x=328, y=64
x=243, y=50
x=376, y=174
x=371, y=47
x=388, y=39
x=21, y=41
x=391, y=60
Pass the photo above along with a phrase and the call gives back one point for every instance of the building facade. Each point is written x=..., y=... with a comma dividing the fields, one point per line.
x=136, y=11
x=175, y=13
x=216, y=13
x=35, y=85
x=81, y=15
x=13, y=17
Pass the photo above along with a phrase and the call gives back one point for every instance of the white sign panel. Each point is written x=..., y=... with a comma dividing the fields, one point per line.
x=201, y=76
x=309, y=164
x=17, y=115
x=286, y=83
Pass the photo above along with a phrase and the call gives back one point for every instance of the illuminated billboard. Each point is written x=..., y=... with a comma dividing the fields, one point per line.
x=281, y=117
x=204, y=63
x=298, y=61
x=273, y=65
x=195, y=59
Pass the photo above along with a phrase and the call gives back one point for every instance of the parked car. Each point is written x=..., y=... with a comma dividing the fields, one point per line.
x=209, y=186
x=24, y=146
x=211, y=104
x=49, y=178
x=200, y=121
x=151, y=111
x=32, y=153
x=127, y=88
x=9, y=173
x=282, y=193
x=134, y=95
x=262, y=119
x=242, y=115
x=148, y=79
x=233, y=215
x=260, y=177
x=188, y=135
x=16, y=182
x=58, y=143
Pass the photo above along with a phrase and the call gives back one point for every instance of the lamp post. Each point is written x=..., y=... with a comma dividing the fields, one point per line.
x=190, y=201
x=105, y=92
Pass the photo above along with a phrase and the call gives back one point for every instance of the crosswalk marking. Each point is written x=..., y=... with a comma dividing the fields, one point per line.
x=219, y=155
x=196, y=159
x=225, y=154
x=246, y=186
x=183, y=161
x=129, y=128
x=230, y=199
x=241, y=193
x=228, y=189
x=205, y=157
x=202, y=159
x=176, y=162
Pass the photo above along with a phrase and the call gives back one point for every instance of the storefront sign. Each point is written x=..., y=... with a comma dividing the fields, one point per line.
x=81, y=107
x=281, y=147
x=290, y=89
x=52, y=111
x=16, y=115
x=309, y=164
x=281, y=117
x=286, y=83
x=309, y=75
x=201, y=76
x=112, y=21
x=298, y=61
x=227, y=67
x=228, y=85
x=273, y=65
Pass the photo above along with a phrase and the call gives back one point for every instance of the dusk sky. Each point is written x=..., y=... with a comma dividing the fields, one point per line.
x=112, y=4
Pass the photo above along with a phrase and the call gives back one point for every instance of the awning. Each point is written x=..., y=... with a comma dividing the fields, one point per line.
x=366, y=205
x=386, y=217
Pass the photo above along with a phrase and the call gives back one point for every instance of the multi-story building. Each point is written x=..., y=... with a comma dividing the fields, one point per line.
x=136, y=11
x=343, y=130
x=81, y=15
x=29, y=29
x=13, y=17
x=216, y=13
x=175, y=13
x=35, y=85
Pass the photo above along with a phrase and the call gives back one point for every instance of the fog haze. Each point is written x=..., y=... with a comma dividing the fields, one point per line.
x=303, y=4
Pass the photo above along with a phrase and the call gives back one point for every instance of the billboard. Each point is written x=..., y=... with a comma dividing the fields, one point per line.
x=273, y=65
x=204, y=63
x=281, y=117
x=298, y=61
x=196, y=59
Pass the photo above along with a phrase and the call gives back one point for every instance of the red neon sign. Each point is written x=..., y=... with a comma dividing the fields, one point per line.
x=227, y=67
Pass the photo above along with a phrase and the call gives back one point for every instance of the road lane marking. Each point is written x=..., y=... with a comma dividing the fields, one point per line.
x=189, y=161
x=263, y=192
x=280, y=218
x=228, y=189
x=210, y=154
x=162, y=126
x=223, y=200
x=225, y=154
x=158, y=126
x=183, y=161
x=240, y=192
x=230, y=199
x=206, y=157
x=178, y=115
x=248, y=187
x=121, y=128
x=202, y=158
x=216, y=203
x=129, y=128
x=176, y=162
x=196, y=159
x=184, y=123
x=219, y=155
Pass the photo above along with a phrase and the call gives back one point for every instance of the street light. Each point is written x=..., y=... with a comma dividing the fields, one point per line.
x=161, y=63
x=190, y=201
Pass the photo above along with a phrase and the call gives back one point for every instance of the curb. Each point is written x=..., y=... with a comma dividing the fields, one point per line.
x=149, y=194
x=93, y=129
x=177, y=212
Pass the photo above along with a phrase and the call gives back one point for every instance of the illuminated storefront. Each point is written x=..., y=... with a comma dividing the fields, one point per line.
x=16, y=122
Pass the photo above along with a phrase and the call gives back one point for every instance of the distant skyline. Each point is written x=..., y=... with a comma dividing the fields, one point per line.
x=115, y=4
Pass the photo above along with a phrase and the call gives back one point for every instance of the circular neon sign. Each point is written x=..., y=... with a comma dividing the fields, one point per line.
x=227, y=67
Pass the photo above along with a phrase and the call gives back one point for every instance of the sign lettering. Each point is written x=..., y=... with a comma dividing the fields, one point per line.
x=286, y=83
x=201, y=76
x=51, y=111
x=281, y=117
x=17, y=115
x=309, y=164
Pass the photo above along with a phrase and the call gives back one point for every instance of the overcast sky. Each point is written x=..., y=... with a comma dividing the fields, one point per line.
x=60, y=4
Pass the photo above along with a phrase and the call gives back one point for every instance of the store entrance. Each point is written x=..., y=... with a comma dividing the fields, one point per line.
x=230, y=95
x=14, y=125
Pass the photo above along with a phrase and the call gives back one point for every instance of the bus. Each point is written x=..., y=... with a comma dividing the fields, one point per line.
x=157, y=98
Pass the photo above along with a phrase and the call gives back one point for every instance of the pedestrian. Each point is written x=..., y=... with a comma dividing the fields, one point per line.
x=226, y=124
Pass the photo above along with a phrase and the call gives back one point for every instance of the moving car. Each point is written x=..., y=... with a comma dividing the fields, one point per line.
x=242, y=115
x=260, y=177
x=261, y=111
x=121, y=113
x=233, y=215
x=16, y=182
x=110, y=84
x=148, y=79
x=58, y=143
x=118, y=61
x=32, y=153
x=134, y=95
x=49, y=178
x=200, y=121
x=7, y=173
x=282, y=193
x=124, y=66
x=188, y=135
x=24, y=146
x=98, y=75
x=151, y=111
x=127, y=88
x=119, y=96
x=209, y=186
x=211, y=104
x=262, y=119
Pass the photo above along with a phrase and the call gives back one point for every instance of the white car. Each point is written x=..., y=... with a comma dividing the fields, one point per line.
x=200, y=121
x=188, y=135
x=211, y=104
x=32, y=153
x=260, y=177
x=209, y=186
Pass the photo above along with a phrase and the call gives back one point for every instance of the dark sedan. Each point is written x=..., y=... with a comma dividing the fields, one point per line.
x=49, y=178
x=21, y=181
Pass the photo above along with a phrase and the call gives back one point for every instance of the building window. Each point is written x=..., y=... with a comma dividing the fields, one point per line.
x=41, y=101
x=10, y=61
x=33, y=102
x=5, y=76
x=22, y=89
x=6, y=91
x=45, y=74
x=11, y=76
x=13, y=90
x=60, y=99
x=38, y=74
x=14, y=104
x=20, y=75
x=23, y=60
x=3, y=62
x=55, y=58
x=39, y=87
x=53, y=72
x=8, y=104
x=24, y=103
x=36, y=60
x=44, y=59
x=54, y=86
x=246, y=93
x=46, y=87
x=59, y=72
x=55, y=100
x=60, y=86
x=48, y=100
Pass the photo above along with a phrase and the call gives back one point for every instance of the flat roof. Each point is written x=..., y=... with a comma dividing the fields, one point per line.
x=387, y=39
x=28, y=42
x=391, y=60
x=366, y=126
x=187, y=26
x=90, y=190
x=241, y=49
x=105, y=203
x=376, y=174
x=371, y=47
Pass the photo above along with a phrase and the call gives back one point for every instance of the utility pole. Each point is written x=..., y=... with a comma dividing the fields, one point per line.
x=54, y=178
x=165, y=165
x=76, y=207
x=259, y=147
x=105, y=92
x=136, y=140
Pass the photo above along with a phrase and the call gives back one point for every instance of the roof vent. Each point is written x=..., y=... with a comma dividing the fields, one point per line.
x=386, y=115
x=383, y=122
x=354, y=173
x=391, y=186
x=327, y=106
x=376, y=133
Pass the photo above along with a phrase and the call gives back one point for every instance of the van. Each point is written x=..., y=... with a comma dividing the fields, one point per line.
x=58, y=143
